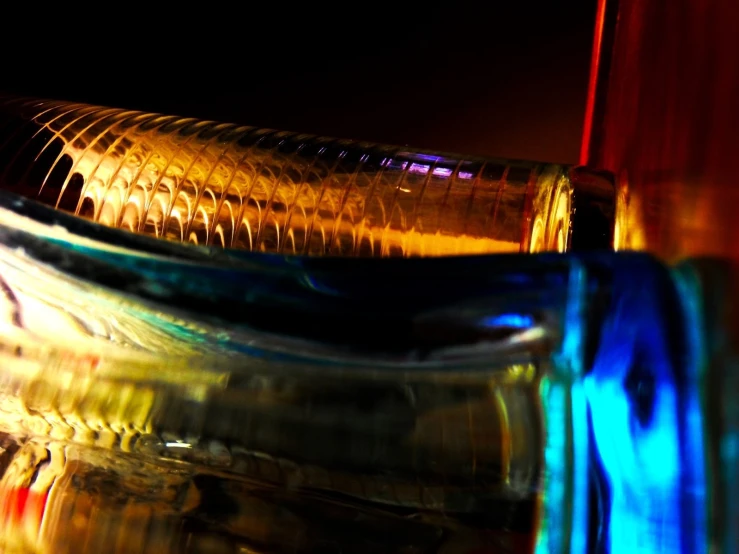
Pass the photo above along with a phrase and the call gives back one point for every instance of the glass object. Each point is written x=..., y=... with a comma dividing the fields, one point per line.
x=663, y=117
x=268, y=191
x=168, y=397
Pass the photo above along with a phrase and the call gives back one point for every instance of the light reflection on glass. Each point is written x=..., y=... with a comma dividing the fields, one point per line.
x=519, y=321
x=647, y=427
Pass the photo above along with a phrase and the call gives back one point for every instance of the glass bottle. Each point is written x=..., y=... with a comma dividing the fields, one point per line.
x=267, y=191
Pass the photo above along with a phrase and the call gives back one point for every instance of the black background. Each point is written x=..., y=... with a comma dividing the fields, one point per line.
x=495, y=78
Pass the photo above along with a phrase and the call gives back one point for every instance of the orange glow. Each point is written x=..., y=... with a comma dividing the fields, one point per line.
x=663, y=118
x=261, y=190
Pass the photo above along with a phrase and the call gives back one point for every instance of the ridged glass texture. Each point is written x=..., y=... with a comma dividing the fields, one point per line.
x=164, y=397
x=268, y=191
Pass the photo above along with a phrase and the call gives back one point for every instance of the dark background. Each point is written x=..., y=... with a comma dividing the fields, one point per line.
x=490, y=77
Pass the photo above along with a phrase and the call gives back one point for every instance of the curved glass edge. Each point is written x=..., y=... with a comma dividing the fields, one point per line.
x=563, y=526
x=618, y=339
x=362, y=305
x=709, y=287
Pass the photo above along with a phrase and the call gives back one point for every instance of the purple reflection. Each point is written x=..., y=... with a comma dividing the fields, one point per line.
x=419, y=169
x=465, y=175
x=422, y=169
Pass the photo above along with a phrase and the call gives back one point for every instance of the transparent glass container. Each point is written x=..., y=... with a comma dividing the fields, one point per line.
x=168, y=397
x=261, y=382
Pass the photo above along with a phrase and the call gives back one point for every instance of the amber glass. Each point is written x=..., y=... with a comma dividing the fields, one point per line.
x=663, y=116
x=262, y=190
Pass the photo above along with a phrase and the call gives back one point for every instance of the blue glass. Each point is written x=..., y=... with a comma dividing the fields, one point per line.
x=646, y=423
x=202, y=399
